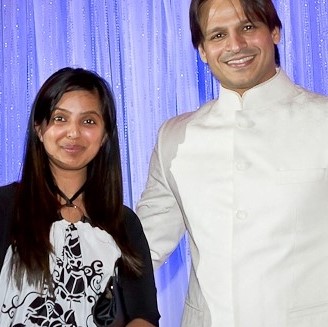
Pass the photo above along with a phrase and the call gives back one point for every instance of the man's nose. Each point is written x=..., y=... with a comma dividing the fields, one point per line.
x=235, y=43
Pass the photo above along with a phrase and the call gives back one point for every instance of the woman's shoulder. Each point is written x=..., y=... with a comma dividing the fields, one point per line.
x=128, y=213
x=7, y=198
x=7, y=192
x=132, y=224
x=130, y=218
x=8, y=188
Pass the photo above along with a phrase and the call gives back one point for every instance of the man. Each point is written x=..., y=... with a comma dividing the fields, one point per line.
x=246, y=177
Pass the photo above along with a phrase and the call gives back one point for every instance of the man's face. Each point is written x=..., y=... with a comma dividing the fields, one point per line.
x=239, y=53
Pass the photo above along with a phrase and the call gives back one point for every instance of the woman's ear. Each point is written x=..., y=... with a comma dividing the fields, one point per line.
x=104, y=139
x=38, y=131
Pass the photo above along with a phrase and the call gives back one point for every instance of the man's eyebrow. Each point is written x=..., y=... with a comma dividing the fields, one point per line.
x=224, y=28
x=215, y=29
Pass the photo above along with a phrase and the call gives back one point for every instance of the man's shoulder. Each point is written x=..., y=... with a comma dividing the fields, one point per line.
x=308, y=104
x=313, y=97
x=179, y=122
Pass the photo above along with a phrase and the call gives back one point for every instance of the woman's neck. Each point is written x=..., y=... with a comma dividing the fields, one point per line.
x=69, y=182
x=70, y=194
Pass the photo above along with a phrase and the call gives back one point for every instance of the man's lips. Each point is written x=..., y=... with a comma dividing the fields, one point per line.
x=239, y=61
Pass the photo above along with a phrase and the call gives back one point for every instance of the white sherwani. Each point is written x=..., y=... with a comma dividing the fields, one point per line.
x=247, y=177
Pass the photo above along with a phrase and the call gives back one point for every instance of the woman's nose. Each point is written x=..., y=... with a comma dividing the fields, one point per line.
x=73, y=131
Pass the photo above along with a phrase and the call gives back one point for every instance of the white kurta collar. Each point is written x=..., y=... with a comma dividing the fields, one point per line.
x=261, y=96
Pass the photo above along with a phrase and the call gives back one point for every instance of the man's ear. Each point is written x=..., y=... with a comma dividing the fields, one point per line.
x=202, y=53
x=275, y=34
x=38, y=132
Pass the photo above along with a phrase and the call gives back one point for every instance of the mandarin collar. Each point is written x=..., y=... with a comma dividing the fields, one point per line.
x=261, y=96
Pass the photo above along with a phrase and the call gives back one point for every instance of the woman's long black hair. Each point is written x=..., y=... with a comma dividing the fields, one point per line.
x=37, y=202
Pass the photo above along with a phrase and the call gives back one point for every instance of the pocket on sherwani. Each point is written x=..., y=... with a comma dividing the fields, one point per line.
x=309, y=316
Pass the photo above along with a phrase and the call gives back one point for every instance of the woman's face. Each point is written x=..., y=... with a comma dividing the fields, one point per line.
x=75, y=131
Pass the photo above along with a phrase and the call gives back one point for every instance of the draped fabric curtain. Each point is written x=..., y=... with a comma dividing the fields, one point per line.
x=143, y=49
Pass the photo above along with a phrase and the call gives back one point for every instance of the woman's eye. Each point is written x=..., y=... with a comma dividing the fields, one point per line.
x=89, y=121
x=58, y=119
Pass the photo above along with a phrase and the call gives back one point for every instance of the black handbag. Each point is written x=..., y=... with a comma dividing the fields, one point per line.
x=108, y=311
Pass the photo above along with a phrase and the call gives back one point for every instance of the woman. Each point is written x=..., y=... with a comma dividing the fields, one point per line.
x=63, y=226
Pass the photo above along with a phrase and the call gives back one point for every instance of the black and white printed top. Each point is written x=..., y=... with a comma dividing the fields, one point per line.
x=81, y=265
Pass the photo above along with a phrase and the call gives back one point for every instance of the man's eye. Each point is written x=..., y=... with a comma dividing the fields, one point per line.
x=248, y=27
x=217, y=36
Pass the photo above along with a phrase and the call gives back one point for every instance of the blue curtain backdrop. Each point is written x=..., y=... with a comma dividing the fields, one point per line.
x=143, y=49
